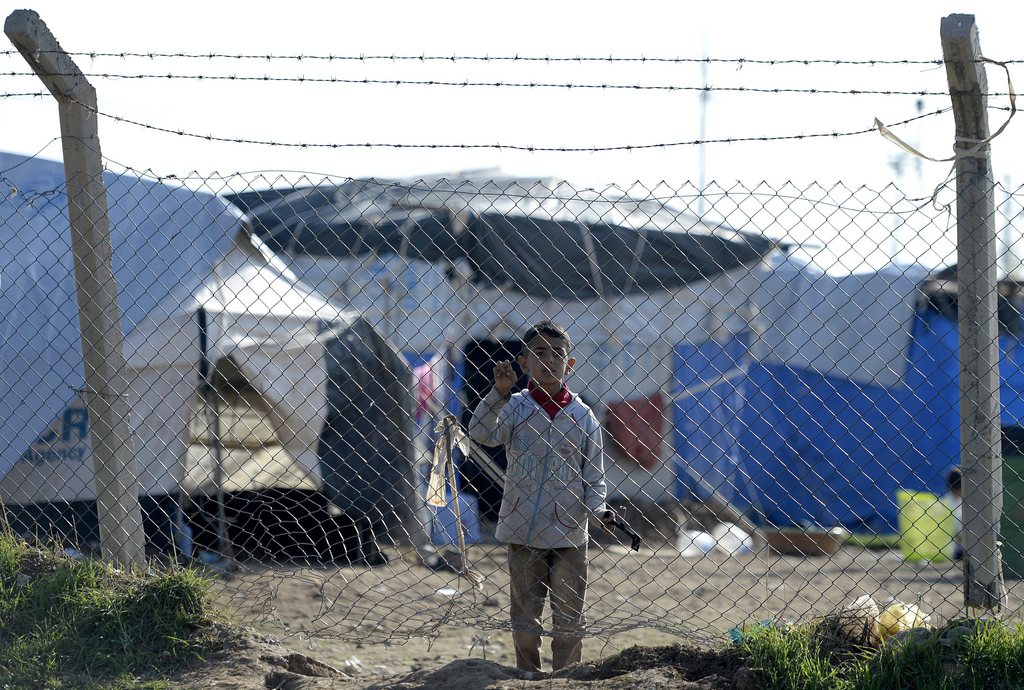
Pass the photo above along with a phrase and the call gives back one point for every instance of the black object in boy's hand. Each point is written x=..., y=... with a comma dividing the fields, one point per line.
x=635, y=538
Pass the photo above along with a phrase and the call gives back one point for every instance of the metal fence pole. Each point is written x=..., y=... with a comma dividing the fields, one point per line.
x=116, y=481
x=980, y=434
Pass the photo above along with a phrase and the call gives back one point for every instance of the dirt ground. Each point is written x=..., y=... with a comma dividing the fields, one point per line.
x=404, y=626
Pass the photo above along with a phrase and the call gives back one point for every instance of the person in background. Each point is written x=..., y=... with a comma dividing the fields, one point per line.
x=952, y=498
x=553, y=485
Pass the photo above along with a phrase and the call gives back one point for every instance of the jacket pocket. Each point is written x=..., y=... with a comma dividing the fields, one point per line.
x=570, y=519
x=507, y=508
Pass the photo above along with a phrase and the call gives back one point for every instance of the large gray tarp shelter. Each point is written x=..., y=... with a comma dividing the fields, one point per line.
x=444, y=262
x=542, y=240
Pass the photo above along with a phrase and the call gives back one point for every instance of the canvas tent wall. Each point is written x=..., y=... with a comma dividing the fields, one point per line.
x=441, y=263
x=195, y=286
x=845, y=391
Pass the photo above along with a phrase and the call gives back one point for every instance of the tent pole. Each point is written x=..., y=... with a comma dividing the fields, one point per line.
x=223, y=539
x=211, y=402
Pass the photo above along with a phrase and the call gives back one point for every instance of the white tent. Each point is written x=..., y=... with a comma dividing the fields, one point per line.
x=197, y=291
x=258, y=316
x=163, y=237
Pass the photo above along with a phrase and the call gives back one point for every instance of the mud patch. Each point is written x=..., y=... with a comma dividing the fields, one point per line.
x=693, y=664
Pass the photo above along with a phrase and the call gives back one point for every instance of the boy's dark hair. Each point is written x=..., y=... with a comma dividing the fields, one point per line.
x=549, y=329
x=953, y=479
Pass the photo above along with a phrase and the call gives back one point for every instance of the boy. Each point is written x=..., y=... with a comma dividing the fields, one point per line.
x=553, y=484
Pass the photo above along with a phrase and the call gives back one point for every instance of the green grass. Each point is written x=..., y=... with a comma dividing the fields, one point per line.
x=81, y=624
x=976, y=654
x=873, y=541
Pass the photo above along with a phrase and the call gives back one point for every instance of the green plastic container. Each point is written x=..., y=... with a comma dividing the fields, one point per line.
x=926, y=526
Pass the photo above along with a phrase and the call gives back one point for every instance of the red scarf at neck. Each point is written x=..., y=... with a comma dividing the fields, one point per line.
x=552, y=404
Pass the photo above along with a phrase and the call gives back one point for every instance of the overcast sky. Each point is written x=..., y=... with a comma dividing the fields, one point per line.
x=287, y=111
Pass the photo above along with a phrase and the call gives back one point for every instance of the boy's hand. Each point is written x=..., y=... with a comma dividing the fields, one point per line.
x=606, y=520
x=504, y=378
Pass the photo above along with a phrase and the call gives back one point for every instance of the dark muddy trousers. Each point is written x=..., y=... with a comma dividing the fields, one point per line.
x=535, y=574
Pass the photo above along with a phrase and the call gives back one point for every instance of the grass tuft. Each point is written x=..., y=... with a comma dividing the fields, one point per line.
x=82, y=624
x=961, y=654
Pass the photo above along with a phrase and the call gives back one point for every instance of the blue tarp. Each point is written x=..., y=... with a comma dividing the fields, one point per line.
x=711, y=385
x=794, y=447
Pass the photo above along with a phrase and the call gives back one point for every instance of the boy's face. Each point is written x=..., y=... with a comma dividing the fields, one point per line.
x=547, y=361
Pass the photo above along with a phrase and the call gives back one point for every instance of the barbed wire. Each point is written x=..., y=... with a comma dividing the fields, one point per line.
x=641, y=59
x=35, y=94
x=509, y=84
x=505, y=147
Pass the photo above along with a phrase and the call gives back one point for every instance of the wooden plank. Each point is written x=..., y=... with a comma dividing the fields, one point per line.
x=105, y=394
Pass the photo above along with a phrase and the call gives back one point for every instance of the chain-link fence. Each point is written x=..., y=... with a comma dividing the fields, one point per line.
x=773, y=381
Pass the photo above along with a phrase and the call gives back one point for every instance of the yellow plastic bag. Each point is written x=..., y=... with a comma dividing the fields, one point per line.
x=926, y=526
x=898, y=617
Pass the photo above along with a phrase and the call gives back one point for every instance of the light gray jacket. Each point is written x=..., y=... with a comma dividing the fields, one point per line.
x=555, y=476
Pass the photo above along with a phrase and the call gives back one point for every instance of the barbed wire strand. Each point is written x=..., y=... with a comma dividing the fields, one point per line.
x=504, y=147
x=641, y=59
x=507, y=84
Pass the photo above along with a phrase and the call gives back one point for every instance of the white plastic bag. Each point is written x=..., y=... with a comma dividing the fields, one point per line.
x=693, y=542
x=732, y=540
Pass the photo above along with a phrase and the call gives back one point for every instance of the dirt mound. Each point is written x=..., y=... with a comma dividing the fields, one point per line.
x=245, y=660
x=693, y=662
x=651, y=668
x=464, y=674
x=248, y=661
